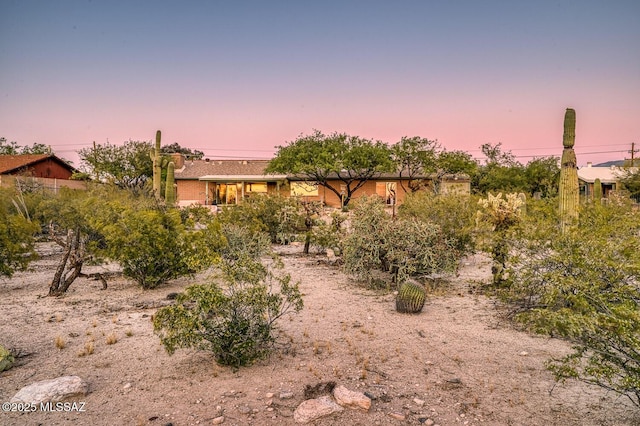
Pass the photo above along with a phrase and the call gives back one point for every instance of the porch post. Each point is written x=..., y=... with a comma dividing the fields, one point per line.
x=206, y=192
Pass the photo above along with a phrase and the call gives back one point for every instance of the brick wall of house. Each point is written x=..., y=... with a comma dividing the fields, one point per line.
x=191, y=192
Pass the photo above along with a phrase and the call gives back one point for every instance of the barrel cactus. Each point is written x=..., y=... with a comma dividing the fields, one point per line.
x=411, y=297
x=568, y=189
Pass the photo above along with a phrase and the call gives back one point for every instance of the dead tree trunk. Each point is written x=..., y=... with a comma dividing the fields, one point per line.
x=70, y=266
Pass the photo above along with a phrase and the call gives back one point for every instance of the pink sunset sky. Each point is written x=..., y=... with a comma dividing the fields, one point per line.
x=236, y=79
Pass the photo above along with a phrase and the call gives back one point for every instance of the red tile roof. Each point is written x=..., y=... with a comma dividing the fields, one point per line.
x=11, y=163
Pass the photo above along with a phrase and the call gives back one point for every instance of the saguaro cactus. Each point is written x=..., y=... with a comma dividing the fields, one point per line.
x=568, y=190
x=156, y=157
x=170, y=190
x=597, y=191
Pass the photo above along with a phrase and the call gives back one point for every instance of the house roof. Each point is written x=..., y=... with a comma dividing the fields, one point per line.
x=234, y=170
x=611, y=174
x=221, y=170
x=13, y=163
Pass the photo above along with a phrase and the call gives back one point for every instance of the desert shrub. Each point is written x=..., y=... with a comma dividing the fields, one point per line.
x=404, y=246
x=453, y=213
x=495, y=218
x=235, y=321
x=242, y=253
x=418, y=248
x=16, y=234
x=154, y=245
x=583, y=286
x=6, y=359
x=280, y=217
x=328, y=234
x=151, y=242
x=364, y=248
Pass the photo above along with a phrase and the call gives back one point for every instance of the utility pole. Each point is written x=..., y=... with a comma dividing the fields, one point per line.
x=633, y=152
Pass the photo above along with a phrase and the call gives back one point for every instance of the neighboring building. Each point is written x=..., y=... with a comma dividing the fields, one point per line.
x=227, y=182
x=609, y=178
x=46, y=170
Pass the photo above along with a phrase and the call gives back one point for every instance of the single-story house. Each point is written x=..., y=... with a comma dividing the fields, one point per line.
x=227, y=182
x=46, y=170
x=609, y=178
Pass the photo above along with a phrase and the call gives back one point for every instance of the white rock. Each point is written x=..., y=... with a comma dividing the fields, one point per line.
x=418, y=401
x=217, y=420
x=53, y=390
x=286, y=395
x=313, y=409
x=397, y=416
x=351, y=399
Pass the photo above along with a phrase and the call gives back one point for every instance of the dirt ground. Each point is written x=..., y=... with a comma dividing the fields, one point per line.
x=456, y=363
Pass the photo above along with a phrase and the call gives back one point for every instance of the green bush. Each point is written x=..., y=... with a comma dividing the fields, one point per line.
x=6, y=359
x=364, y=248
x=280, y=217
x=327, y=235
x=154, y=245
x=236, y=322
x=583, y=286
x=417, y=248
x=16, y=235
x=453, y=213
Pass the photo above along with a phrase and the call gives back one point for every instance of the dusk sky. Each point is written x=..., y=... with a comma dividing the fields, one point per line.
x=236, y=78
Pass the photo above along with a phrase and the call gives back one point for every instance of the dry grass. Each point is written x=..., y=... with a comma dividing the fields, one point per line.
x=112, y=339
x=88, y=349
x=59, y=342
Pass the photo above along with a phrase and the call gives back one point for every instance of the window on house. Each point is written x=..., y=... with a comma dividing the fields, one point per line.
x=304, y=189
x=387, y=191
x=255, y=187
x=227, y=193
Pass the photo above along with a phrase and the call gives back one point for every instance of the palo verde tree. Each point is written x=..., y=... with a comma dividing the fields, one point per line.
x=320, y=158
x=415, y=158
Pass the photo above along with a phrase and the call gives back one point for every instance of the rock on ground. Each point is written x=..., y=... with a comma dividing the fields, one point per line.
x=351, y=399
x=53, y=390
x=313, y=409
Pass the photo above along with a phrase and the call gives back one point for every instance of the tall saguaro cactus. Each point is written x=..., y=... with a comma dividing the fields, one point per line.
x=597, y=191
x=568, y=190
x=156, y=157
x=170, y=189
